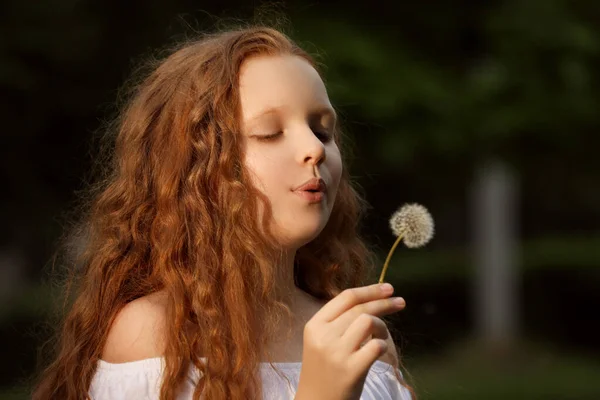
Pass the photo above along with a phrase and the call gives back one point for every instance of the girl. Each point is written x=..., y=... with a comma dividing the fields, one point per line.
x=217, y=248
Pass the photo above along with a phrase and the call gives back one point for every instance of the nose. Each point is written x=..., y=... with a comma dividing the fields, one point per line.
x=312, y=150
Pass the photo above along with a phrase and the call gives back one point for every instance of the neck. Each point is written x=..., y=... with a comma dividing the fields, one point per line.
x=286, y=343
x=292, y=295
x=285, y=276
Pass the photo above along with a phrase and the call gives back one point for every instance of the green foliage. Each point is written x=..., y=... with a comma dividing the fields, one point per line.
x=15, y=393
x=526, y=371
x=580, y=254
x=533, y=75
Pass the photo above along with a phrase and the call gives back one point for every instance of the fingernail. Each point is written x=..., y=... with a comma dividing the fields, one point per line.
x=398, y=301
x=387, y=288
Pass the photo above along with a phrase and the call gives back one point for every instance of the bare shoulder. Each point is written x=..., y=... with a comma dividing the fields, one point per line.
x=138, y=331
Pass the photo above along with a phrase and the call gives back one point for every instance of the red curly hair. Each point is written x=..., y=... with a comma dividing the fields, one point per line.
x=173, y=211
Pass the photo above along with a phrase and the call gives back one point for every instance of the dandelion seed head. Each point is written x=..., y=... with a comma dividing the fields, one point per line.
x=414, y=223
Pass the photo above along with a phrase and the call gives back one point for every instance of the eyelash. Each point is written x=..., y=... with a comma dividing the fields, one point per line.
x=325, y=137
x=268, y=138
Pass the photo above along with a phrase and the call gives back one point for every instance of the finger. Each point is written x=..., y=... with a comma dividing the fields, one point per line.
x=349, y=298
x=378, y=308
x=360, y=330
x=368, y=354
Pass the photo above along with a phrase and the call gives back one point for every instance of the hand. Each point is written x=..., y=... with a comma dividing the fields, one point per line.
x=334, y=364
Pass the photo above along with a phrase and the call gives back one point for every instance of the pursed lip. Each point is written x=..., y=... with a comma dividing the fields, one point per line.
x=313, y=184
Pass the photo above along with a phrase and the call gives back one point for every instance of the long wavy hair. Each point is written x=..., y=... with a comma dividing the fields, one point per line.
x=175, y=210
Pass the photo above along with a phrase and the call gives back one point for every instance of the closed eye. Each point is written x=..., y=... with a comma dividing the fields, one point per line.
x=267, y=138
x=323, y=136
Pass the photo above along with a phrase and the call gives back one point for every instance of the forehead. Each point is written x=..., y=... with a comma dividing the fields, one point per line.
x=279, y=82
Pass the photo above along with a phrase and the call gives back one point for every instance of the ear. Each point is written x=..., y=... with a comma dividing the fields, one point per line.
x=391, y=355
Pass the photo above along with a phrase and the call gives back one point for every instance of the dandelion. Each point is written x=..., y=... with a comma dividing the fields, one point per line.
x=414, y=224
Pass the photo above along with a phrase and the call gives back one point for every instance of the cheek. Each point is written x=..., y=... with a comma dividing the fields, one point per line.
x=335, y=166
x=335, y=169
x=265, y=172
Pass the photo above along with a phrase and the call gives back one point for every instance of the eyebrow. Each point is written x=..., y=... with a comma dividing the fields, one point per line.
x=318, y=111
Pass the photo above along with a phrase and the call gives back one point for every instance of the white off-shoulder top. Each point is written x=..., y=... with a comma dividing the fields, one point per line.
x=141, y=379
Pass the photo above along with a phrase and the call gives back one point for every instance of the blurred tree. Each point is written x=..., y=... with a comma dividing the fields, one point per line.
x=514, y=80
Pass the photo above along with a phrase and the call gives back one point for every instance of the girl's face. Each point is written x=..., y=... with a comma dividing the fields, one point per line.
x=288, y=123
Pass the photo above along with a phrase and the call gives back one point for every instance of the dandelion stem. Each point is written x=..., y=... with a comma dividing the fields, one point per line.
x=387, y=260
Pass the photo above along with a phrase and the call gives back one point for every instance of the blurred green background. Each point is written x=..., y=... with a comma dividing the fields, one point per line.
x=484, y=112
